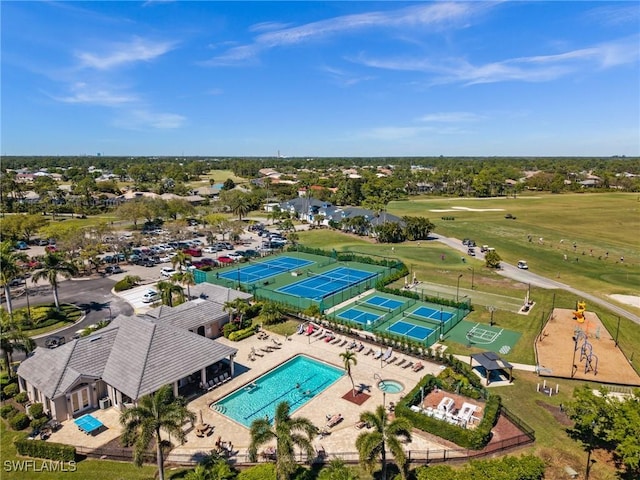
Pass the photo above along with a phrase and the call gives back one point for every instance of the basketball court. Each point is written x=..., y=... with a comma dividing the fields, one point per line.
x=480, y=335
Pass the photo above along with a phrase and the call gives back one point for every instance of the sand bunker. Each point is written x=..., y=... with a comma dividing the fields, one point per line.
x=632, y=300
x=467, y=209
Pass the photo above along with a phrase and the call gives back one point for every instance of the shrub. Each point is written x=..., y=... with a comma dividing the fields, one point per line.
x=10, y=390
x=7, y=411
x=22, y=397
x=50, y=450
x=126, y=283
x=241, y=334
x=38, y=423
x=19, y=421
x=265, y=471
x=229, y=328
x=36, y=410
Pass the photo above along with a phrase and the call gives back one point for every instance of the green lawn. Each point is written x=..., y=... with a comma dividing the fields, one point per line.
x=86, y=469
x=598, y=223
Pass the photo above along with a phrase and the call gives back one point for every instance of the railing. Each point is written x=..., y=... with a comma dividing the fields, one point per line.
x=413, y=456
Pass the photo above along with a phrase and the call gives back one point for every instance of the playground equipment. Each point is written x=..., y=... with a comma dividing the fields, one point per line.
x=578, y=314
x=586, y=352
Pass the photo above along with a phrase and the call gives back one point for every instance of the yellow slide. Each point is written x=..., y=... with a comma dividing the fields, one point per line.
x=579, y=313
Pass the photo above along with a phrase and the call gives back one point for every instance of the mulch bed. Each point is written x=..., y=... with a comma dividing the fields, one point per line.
x=359, y=399
x=558, y=414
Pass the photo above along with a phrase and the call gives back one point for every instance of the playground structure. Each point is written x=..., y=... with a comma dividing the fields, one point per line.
x=578, y=313
x=586, y=352
x=578, y=351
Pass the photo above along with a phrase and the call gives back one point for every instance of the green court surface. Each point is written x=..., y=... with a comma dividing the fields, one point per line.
x=480, y=335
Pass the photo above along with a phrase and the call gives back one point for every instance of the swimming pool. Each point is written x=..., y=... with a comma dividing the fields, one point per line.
x=296, y=381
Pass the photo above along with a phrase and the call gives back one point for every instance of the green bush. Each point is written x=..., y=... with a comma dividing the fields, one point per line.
x=11, y=390
x=19, y=421
x=22, y=397
x=241, y=334
x=36, y=410
x=7, y=411
x=527, y=467
x=124, y=284
x=265, y=471
x=42, y=449
x=38, y=423
x=229, y=328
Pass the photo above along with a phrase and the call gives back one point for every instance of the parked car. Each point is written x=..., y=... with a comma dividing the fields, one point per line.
x=522, y=264
x=111, y=269
x=16, y=282
x=249, y=253
x=150, y=296
x=228, y=246
x=194, y=252
x=168, y=272
x=471, y=251
x=147, y=262
x=235, y=256
x=51, y=248
x=211, y=249
x=54, y=341
x=225, y=259
x=42, y=242
x=207, y=261
x=22, y=245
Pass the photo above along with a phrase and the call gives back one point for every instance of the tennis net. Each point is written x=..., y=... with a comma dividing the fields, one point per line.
x=272, y=266
x=432, y=321
x=342, y=279
x=372, y=306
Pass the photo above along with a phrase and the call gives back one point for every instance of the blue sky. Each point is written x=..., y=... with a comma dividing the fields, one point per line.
x=321, y=78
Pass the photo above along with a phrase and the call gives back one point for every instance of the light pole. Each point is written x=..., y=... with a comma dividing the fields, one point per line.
x=472, y=276
x=458, y=287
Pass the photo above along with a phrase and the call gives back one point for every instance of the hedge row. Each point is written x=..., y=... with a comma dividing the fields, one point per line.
x=241, y=334
x=42, y=449
x=526, y=467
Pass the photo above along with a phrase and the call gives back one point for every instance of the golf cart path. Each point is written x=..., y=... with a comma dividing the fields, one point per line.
x=525, y=276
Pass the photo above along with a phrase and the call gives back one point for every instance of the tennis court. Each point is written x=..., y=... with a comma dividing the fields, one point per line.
x=410, y=330
x=259, y=271
x=383, y=302
x=88, y=423
x=358, y=316
x=320, y=285
x=430, y=315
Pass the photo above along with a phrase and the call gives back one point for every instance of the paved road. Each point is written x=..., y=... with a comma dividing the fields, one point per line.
x=525, y=276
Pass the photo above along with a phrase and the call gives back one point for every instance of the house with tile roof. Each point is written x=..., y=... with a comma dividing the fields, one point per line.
x=133, y=356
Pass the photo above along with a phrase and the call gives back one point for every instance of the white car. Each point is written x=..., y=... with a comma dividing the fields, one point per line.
x=150, y=296
x=235, y=256
x=210, y=249
x=522, y=264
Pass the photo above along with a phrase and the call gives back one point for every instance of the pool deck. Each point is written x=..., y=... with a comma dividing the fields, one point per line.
x=329, y=402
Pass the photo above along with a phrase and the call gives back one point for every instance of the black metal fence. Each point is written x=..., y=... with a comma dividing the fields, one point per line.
x=417, y=457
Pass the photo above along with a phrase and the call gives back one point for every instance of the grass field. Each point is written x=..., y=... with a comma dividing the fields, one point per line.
x=597, y=223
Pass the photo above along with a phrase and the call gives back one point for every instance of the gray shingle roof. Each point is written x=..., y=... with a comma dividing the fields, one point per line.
x=134, y=355
x=216, y=293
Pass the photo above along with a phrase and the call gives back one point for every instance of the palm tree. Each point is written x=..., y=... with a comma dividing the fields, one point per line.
x=9, y=261
x=187, y=278
x=373, y=444
x=168, y=290
x=236, y=307
x=270, y=313
x=337, y=470
x=54, y=264
x=287, y=432
x=154, y=413
x=12, y=338
x=349, y=358
x=180, y=258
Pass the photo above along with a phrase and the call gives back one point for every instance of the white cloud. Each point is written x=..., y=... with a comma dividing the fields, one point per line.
x=344, y=78
x=120, y=54
x=537, y=68
x=141, y=119
x=433, y=15
x=451, y=117
x=81, y=93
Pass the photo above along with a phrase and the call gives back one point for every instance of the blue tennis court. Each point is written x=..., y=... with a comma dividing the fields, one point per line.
x=320, y=285
x=256, y=272
x=358, y=316
x=384, y=302
x=410, y=330
x=430, y=314
x=88, y=423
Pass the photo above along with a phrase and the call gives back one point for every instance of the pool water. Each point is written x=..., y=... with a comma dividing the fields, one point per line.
x=390, y=386
x=296, y=381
